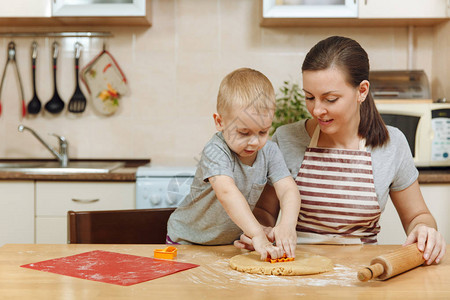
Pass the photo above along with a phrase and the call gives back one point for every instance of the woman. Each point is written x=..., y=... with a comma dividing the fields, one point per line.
x=346, y=161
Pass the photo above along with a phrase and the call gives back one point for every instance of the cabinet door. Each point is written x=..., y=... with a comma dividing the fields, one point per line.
x=16, y=212
x=310, y=9
x=437, y=197
x=402, y=9
x=90, y=8
x=438, y=202
x=25, y=8
x=54, y=199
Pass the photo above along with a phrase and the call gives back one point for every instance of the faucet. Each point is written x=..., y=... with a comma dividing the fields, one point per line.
x=61, y=155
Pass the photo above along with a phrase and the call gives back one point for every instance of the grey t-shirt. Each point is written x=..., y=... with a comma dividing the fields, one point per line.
x=393, y=166
x=200, y=218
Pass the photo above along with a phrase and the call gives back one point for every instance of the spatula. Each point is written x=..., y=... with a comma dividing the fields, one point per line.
x=77, y=103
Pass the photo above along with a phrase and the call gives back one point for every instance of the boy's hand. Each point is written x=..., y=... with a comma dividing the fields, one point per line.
x=265, y=248
x=246, y=243
x=286, y=239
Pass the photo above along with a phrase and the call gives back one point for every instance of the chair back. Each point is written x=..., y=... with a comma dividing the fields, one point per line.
x=131, y=226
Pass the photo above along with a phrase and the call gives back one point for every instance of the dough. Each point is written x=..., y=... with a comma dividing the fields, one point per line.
x=305, y=263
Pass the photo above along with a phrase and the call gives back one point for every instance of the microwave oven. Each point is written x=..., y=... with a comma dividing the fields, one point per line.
x=426, y=127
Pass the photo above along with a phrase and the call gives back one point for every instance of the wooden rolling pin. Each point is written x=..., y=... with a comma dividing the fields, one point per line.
x=390, y=264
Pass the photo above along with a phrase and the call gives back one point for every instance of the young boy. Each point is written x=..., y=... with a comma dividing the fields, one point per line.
x=234, y=167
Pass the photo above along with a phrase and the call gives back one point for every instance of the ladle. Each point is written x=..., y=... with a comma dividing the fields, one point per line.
x=55, y=105
x=34, y=106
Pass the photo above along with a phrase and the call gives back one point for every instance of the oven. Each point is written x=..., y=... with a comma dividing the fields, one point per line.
x=162, y=187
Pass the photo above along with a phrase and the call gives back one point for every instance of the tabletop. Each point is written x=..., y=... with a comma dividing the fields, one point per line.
x=214, y=279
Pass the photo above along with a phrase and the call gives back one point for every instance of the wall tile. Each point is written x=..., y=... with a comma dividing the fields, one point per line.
x=174, y=69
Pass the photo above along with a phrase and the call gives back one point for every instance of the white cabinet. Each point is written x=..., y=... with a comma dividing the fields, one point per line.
x=401, y=9
x=438, y=201
x=91, y=8
x=54, y=199
x=353, y=12
x=75, y=12
x=25, y=8
x=16, y=212
x=310, y=9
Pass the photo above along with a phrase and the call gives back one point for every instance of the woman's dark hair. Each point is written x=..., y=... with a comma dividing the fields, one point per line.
x=352, y=59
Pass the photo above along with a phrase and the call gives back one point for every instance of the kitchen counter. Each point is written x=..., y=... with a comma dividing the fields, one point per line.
x=126, y=173
x=214, y=279
x=434, y=175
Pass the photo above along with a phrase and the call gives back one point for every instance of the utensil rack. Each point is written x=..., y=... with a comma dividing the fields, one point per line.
x=57, y=34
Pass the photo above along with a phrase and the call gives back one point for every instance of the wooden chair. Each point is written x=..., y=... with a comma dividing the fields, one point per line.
x=133, y=226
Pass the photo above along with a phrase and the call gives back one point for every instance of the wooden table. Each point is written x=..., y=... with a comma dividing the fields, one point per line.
x=215, y=280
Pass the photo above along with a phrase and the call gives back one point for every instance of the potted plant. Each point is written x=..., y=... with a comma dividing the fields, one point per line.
x=290, y=106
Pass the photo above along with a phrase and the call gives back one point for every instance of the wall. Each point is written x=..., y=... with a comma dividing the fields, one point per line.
x=441, y=61
x=174, y=68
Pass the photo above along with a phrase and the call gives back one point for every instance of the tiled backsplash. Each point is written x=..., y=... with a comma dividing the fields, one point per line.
x=174, y=69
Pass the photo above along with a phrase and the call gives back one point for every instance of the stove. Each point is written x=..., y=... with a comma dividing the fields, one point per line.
x=162, y=187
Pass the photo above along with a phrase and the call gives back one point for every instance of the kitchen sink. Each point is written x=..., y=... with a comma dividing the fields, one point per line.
x=54, y=167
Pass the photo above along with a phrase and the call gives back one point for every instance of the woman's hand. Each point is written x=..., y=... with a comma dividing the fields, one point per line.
x=418, y=223
x=429, y=241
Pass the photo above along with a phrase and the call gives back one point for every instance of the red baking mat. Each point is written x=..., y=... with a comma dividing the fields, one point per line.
x=111, y=267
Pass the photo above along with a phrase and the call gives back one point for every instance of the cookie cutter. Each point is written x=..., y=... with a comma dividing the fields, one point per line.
x=166, y=253
x=280, y=259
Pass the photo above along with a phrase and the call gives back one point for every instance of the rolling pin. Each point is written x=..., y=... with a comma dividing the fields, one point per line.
x=385, y=266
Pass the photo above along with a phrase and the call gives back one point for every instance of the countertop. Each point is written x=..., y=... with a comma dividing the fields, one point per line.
x=126, y=173
x=214, y=279
x=434, y=175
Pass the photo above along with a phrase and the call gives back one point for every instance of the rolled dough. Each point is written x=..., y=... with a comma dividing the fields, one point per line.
x=305, y=263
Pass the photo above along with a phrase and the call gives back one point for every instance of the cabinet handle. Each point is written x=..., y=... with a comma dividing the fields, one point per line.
x=85, y=200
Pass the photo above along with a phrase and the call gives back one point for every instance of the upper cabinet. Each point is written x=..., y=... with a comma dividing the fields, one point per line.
x=310, y=9
x=353, y=12
x=26, y=8
x=98, y=8
x=75, y=12
x=402, y=9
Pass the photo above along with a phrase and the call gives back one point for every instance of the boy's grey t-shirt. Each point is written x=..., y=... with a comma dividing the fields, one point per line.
x=200, y=218
x=393, y=166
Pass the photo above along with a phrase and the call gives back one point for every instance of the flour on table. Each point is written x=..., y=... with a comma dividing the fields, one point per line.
x=305, y=263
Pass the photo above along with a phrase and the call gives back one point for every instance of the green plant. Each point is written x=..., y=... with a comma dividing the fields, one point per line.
x=290, y=106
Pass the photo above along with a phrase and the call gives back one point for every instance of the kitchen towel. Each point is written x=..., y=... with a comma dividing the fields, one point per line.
x=111, y=267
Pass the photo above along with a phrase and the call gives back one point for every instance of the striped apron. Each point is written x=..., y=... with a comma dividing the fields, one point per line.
x=339, y=203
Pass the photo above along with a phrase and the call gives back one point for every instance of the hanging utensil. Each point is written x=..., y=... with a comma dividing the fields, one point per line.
x=34, y=106
x=78, y=102
x=12, y=60
x=55, y=105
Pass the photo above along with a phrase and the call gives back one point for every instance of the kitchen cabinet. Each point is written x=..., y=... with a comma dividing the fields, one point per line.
x=401, y=9
x=310, y=9
x=75, y=12
x=437, y=199
x=91, y=8
x=26, y=8
x=55, y=198
x=16, y=212
x=353, y=12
